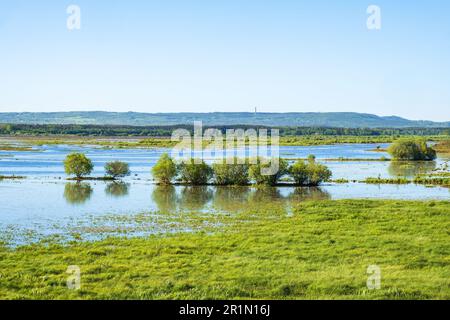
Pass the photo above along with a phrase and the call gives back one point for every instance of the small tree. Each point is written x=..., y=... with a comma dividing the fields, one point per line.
x=411, y=149
x=117, y=169
x=318, y=173
x=195, y=173
x=78, y=164
x=256, y=172
x=164, y=170
x=299, y=172
x=231, y=173
x=310, y=173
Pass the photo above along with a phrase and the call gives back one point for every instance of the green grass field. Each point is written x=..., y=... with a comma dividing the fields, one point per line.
x=315, y=250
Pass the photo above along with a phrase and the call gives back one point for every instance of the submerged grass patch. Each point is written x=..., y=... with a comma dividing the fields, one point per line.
x=421, y=179
x=10, y=147
x=12, y=177
x=318, y=249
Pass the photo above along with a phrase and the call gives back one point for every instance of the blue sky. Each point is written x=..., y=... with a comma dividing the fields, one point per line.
x=226, y=55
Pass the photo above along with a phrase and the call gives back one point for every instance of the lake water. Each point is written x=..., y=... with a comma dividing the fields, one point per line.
x=45, y=205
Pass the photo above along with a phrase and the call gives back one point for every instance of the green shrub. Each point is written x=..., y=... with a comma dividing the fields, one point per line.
x=194, y=173
x=164, y=170
x=117, y=169
x=318, y=173
x=310, y=173
x=231, y=174
x=256, y=172
x=411, y=149
x=299, y=172
x=78, y=164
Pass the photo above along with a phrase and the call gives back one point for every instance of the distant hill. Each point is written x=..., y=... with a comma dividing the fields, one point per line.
x=310, y=119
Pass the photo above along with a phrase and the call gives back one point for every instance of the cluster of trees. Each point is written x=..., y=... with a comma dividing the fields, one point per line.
x=79, y=165
x=166, y=131
x=415, y=149
x=309, y=173
x=236, y=172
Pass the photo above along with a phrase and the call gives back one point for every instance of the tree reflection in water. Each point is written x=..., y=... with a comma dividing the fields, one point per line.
x=265, y=194
x=77, y=193
x=117, y=189
x=231, y=198
x=409, y=169
x=195, y=197
x=165, y=198
x=309, y=193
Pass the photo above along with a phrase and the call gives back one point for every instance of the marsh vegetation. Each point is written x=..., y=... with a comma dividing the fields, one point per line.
x=321, y=250
x=170, y=230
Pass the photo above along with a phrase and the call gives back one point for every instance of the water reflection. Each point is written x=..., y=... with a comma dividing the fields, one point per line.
x=409, y=169
x=231, y=199
x=117, y=189
x=265, y=194
x=77, y=193
x=165, y=198
x=312, y=193
x=195, y=197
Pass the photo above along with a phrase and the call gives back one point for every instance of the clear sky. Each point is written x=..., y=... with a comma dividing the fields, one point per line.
x=226, y=55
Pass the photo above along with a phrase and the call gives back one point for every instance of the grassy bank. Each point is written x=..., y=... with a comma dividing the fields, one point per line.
x=320, y=250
